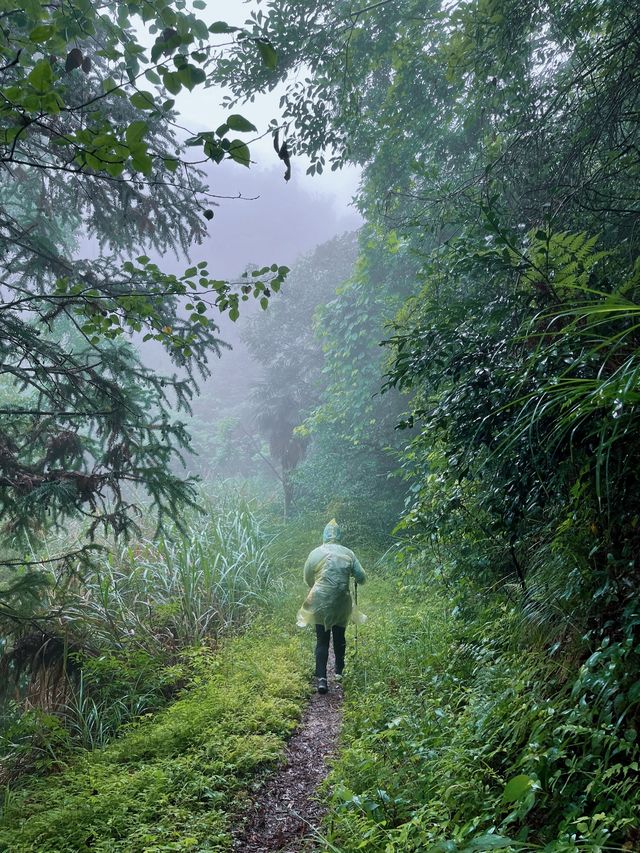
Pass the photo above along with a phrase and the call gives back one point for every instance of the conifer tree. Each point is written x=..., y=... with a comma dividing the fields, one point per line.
x=88, y=146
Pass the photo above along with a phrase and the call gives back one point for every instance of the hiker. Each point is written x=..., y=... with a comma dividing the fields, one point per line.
x=328, y=606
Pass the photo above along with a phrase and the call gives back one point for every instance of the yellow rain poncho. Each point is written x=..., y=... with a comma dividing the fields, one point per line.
x=328, y=571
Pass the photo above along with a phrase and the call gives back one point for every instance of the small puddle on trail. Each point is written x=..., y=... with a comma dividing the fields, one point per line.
x=285, y=809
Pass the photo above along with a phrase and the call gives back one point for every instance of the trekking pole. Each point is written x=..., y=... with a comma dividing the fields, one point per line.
x=355, y=582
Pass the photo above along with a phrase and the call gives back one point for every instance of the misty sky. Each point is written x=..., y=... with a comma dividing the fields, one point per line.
x=287, y=219
x=273, y=221
x=195, y=106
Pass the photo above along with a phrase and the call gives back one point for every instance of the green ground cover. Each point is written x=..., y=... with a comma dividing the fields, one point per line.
x=171, y=782
x=461, y=735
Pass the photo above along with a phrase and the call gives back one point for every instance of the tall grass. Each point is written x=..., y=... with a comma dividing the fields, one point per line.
x=177, y=589
x=113, y=640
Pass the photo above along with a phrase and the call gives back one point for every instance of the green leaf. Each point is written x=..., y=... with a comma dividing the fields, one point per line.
x=135, y=132
x=142, y=101
x=93, y=162
x=516, y=788
x=7, y=136
x=488, y=842
x=267, y=53
x=222, y=27
x=191, y=76
x=240, y=123
x=199, y=4
x=41, y=76
x=42, y=33
x=172, y=82
x=142, y=162
x=214, y=151
x=199, y=29
x=114, y=169
x=239, y=152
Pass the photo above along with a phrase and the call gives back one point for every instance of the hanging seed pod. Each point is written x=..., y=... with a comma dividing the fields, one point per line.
x=86, y=64
x=74, y=59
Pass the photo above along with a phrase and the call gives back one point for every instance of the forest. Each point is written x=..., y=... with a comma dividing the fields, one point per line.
x=205, y=362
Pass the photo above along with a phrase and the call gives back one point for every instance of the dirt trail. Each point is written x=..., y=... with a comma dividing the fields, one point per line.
x=285, y=809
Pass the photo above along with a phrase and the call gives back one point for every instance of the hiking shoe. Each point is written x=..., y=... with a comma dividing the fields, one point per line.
x=322, y=685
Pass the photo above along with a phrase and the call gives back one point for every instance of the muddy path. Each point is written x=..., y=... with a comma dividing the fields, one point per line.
x=285, y=810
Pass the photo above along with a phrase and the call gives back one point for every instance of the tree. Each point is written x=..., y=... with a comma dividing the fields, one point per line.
x=289, y=352
x=83, y=146
x=497, y=138
x=500, y=140
x=317, y=401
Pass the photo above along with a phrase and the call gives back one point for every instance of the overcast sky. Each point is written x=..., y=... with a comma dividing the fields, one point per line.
x=274, y=221
x=329, y=194
x=193, y=106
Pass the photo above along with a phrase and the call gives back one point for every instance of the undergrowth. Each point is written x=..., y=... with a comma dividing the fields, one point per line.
x=101, y=646
x=171, y=782
x=460, y=734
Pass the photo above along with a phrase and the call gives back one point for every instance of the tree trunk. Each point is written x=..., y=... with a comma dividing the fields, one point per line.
x=287, y=491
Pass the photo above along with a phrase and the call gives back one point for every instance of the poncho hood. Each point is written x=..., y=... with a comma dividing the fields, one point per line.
x=331, y=532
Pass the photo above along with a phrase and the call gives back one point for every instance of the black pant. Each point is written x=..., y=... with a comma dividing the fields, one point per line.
x=322, y=649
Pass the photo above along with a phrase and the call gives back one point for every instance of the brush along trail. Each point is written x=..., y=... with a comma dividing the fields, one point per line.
x=176, y=780
x=286, y=811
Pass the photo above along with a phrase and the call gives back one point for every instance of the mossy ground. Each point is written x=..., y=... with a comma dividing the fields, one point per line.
x=174, y=781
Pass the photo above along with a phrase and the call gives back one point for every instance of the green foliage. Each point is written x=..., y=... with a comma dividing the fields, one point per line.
x=331, y=436
x=60, y=64
x=190, y=583
x=458, y=737
x=172, y=782
x=289, y=355
x=31, y=741
x=179, y=589
x=87, y=147
x=94, y=651
x=499, y=144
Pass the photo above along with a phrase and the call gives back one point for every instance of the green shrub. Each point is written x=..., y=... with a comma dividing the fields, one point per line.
x=172, y=781
x=459, y=733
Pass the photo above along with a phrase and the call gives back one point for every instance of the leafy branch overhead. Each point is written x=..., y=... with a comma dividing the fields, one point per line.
x=89, y=148
x=65, y=67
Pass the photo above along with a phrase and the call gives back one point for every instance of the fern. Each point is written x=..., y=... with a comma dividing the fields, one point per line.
x=590, y=338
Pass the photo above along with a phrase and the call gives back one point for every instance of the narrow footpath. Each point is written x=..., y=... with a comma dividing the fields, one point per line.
x=286, y=810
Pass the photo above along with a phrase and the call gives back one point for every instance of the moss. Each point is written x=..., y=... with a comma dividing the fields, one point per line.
x=173, y=781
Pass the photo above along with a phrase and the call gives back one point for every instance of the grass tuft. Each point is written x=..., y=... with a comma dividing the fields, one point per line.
x=173, y=781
